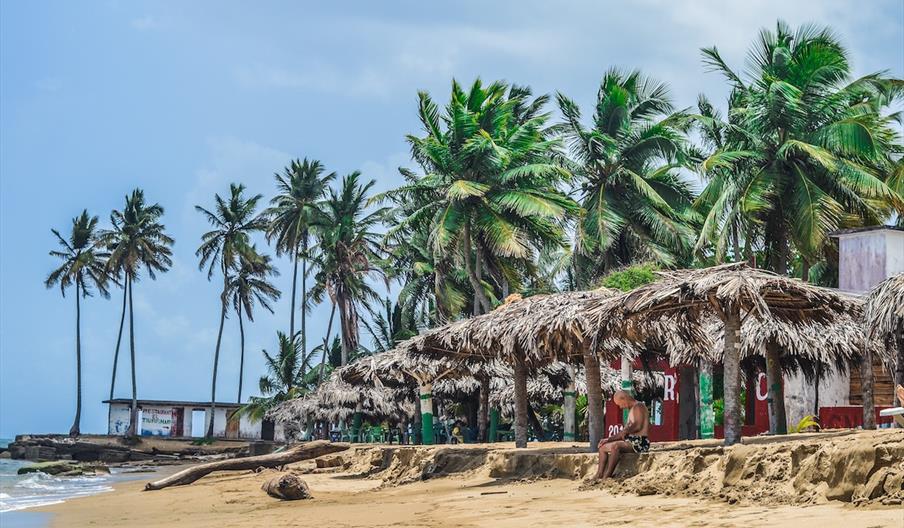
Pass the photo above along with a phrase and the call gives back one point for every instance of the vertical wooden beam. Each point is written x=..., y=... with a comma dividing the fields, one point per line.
x=569, y=407
x=595, y=410
x=778, y=421
x=426, y=395
x=731, y=362
x=866, y=386
x=520, y=381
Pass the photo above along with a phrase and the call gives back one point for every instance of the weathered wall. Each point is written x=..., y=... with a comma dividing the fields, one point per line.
x=861, y=260
x=119, y=419
x=800, y=395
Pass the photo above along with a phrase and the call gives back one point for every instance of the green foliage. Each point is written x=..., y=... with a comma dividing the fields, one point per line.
x=808, y=422
x=627, y=279
x=203, y=441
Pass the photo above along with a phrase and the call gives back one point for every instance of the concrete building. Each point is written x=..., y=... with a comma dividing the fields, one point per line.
x=866, y=257
x=186, y=419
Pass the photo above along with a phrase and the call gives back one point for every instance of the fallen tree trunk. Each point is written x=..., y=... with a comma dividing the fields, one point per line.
x=295, y=453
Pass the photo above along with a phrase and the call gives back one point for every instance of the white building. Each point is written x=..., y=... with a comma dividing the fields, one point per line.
x=186, y=419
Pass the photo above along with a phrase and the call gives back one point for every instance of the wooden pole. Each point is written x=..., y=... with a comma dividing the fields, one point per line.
x=426, y=394
x=520, y=381
x=778, y=422
x=569, y=406
x=732, y=377
x=595, y=409
x=707, y=416
x=866, y=386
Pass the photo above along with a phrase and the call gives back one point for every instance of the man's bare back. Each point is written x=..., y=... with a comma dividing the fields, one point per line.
x=632, y=437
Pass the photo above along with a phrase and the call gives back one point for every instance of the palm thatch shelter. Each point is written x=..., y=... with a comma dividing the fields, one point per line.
x=733, y=294
x=536, y=331
x=884, y=315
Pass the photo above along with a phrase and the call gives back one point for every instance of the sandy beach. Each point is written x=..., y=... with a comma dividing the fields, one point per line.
x=463, y=495
x=340, y=501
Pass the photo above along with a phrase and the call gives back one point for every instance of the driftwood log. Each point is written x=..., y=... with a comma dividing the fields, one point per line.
x=295, y=453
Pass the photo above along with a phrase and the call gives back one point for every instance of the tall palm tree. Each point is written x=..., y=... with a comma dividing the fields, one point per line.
x=812, y=148
x=349, y=248
x=284, y=379
x=250, y=286
x=626, y=165
x=389, y=326
x=137, y=240
x=489, y=193
x=811, y=152
x=84, y=267
x=291, y=215
x=221, y=249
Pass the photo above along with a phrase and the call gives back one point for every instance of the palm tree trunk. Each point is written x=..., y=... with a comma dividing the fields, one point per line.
x=476, y=285
x=568, y=407
x=521, y=403
x=483, y=411
x=75, y=430
x=326, y=338
x=216, y=358
x=241, y=354
x=122, y=322
x=866, y=387
x=133, y=410
x=344, y=331
x=292, y=306
x=778, y=421
x=732, y=376
x=304, y=305
x=595, y=410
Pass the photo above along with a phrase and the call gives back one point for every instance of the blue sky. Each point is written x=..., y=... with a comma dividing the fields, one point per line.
x=182, y=98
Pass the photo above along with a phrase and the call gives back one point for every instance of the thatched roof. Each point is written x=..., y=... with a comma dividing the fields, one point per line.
x=336, y=399
x=884, y=312
x=541, y=328
x=813, y=324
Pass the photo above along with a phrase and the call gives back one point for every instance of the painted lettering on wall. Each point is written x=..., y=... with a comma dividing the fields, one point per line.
x=671, y=381
x=157, y=421
x=761, y=390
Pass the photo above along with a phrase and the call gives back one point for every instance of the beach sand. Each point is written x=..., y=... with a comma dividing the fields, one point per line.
x=343, y=500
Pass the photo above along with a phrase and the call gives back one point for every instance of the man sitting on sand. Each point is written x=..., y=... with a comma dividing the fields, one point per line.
x=631, y=439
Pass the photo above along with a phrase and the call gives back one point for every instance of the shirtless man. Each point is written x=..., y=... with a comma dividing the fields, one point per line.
x=631, y=439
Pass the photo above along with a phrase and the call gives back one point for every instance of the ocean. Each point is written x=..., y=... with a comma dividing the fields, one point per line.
x=19, y=492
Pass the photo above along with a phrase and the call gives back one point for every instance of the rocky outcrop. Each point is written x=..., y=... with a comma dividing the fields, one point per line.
x=115, y=449
x=64, y=468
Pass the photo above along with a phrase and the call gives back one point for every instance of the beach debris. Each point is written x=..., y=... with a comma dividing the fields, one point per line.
x=287, y=486
x=295, y=453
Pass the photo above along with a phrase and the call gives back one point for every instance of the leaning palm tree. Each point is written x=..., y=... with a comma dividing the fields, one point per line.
x=284, y=380
x=626, y=164
x=221, y=249
x=291, y=215
x=137, y=240
x=250, y=286
x=84, y=267
x=349, y=249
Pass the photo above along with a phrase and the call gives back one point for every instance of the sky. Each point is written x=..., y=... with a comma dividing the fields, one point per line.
x=183, y=98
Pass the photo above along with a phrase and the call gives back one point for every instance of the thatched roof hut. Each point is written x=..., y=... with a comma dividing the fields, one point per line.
x=736, y=295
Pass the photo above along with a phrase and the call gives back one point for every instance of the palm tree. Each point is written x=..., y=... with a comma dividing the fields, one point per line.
x=83, y=266
x=137, y=240
x=291, y=215
x=626, y=164
x=389, y=327
x=489, y=193
x=284, y=380
x=348, y=250
x=222, y=248
x=810, y=153
x=248, y=286
x=811, y=149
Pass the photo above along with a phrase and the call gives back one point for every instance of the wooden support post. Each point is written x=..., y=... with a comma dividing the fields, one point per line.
x=426, y=393
x=494, y=425
x=521, y=403
x=778, y=422
x=595, y=409
x=707, y=416
x=569, y=407
x=866, y=386
x=731, y=361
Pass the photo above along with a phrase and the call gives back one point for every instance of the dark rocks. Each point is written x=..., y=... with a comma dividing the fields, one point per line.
x=63, y=468
x=287, y=486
